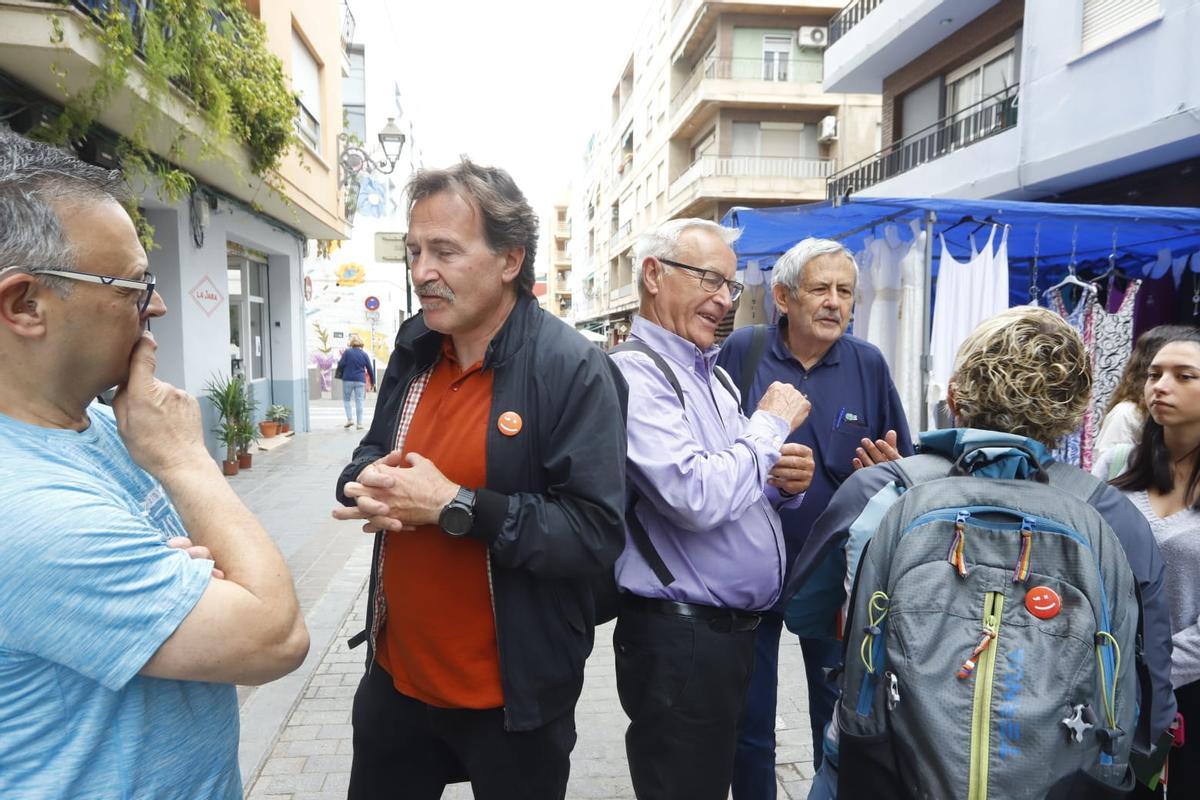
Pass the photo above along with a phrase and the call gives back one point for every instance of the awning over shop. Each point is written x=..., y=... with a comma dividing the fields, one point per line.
x=1051, y=232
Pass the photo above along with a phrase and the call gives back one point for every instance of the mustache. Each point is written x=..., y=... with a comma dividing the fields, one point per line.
x=435, y=289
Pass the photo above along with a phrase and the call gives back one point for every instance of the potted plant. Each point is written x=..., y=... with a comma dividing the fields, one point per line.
x=247, y=435
x=227, y=433
x=280, y=414
x=268, y=427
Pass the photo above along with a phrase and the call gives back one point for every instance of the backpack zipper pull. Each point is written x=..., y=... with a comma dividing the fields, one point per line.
x=968, y=666
x=957, y=555
x=1021, y=573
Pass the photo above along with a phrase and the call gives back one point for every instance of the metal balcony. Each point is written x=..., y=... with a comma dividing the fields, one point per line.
x=850, y=16
x=986, y=118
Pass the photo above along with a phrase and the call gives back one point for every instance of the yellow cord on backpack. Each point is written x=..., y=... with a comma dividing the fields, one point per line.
x=877, y=609
x=1110, y=696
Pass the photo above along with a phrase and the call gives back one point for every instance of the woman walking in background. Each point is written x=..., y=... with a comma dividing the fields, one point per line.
x=1161, y=475
x=355, y=370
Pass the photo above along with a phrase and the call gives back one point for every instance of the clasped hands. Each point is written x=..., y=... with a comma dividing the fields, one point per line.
x=397, y=493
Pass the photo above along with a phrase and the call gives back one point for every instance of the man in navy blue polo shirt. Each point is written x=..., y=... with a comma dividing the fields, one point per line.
x=853, y=399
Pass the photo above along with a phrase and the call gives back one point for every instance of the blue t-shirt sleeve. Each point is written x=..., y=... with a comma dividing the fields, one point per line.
x=92, y=586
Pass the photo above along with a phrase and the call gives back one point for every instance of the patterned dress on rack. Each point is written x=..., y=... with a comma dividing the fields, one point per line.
x=1112, y=334
x=1072, y=447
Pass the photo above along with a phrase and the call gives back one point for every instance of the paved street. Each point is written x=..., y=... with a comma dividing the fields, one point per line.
x=296, y=738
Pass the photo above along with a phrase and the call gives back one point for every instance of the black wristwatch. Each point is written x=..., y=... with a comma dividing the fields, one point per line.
x=458, y=515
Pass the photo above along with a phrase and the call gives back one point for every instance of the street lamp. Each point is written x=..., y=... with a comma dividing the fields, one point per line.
x=354, y=160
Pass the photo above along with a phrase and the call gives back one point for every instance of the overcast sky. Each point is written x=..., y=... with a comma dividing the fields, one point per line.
x=519, y=84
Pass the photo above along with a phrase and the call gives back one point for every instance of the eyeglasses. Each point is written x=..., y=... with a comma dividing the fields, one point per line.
x=145, y=286
x=709, y=280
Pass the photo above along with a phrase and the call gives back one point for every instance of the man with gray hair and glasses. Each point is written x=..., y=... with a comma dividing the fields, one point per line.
x=119, y=640
x=856, y=420
x=704, y=553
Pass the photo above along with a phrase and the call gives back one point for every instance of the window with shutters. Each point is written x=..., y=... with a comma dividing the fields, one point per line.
x=1107, y=20
x=306, y=80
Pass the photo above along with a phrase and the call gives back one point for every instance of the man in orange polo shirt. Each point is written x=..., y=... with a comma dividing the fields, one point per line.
x=493, y=476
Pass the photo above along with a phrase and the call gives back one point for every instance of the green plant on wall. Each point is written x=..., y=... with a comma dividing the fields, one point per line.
x=323, y=336
x=215, y=52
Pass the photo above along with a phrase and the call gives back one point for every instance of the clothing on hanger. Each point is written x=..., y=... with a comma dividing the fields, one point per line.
x=907, y=373
x=751, y=308
x=1112, y=346
x=1080, y=315
x=883, y=314
x=864, y=290
x=967, y=294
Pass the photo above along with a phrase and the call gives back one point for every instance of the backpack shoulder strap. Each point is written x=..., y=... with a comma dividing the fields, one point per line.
x=726, y=381
x=663, y=367
x=637, y=531
x=758, y=346
x=921, y=468
x=1074, y=481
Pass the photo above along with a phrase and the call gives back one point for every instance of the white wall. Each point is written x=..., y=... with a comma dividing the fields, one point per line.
x=1131, y=105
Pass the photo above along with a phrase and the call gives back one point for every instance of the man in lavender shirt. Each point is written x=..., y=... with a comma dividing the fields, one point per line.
x=705, y=483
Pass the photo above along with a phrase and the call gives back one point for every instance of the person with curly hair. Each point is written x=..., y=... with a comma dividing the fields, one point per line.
x=1026, y=373
x=1126, y=410
x=1161, y=476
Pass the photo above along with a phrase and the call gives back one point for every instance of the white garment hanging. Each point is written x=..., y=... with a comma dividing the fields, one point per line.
x=751, y=308
x=967, y=294
x=1178, y=267
x=907, y=371
x=887, y=253
x=864, y=293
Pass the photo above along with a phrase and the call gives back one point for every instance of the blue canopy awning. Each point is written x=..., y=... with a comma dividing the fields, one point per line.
x=1047, y=229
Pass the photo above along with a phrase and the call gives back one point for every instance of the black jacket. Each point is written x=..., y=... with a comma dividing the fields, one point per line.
x=553, y=508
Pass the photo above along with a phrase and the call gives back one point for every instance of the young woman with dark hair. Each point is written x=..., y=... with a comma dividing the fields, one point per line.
x=1161, y=475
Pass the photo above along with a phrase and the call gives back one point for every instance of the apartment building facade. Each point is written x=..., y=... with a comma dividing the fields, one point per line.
x=555, y=246
x=1079, y=100
x=227, y=257
x=720, y=104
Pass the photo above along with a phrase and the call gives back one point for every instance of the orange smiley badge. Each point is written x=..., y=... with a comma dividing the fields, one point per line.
x=510, y=423
x=1043, y=602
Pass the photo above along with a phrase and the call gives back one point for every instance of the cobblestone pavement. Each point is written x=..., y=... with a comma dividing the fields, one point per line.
x=296, y=740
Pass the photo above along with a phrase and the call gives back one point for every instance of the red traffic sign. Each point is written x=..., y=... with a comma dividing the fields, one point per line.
x=371, y=303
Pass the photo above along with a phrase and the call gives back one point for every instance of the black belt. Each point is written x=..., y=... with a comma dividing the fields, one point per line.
x=723, y=620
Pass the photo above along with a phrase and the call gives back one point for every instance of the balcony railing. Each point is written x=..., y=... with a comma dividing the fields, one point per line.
x=850, y=16
x=619, y=234
x=782, y=70
x=986, y=118
x=752, y=167
x=348, y=24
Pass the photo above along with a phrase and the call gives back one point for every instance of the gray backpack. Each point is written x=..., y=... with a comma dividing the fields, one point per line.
x=992, y=643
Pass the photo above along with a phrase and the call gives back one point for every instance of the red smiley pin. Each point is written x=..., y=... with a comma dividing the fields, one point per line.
x=1043, y=602
x=510, y=423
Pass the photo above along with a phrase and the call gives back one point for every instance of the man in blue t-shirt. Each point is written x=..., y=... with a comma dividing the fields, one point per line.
x=856, y=419
x=119, y=641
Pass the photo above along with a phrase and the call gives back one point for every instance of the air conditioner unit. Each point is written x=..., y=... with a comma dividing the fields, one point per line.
x=813, y=36
x=827, y=130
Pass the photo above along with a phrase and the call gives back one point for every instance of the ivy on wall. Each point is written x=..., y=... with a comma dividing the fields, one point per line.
x=212, y=50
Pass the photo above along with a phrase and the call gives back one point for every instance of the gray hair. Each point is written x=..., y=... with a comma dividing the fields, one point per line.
x=789, y=269
x=663, y=242
x=508, y=219
x=36, y=182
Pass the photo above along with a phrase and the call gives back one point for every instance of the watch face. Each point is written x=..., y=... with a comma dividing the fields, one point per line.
x=456, y=520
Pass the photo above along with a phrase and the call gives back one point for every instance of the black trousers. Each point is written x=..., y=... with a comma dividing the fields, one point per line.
x=407, y=750
x=682, y=682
